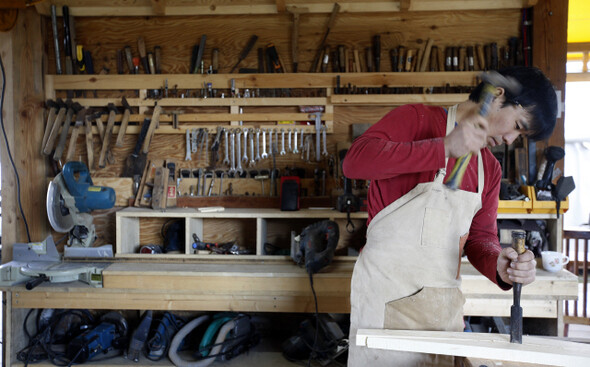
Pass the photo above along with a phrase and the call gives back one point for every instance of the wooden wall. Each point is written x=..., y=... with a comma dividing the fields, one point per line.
x=30, y=47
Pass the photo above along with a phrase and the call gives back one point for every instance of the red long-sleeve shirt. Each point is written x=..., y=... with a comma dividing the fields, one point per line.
x=406, y=148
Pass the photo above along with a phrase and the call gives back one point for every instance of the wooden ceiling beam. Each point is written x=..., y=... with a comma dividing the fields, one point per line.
x=179, y=8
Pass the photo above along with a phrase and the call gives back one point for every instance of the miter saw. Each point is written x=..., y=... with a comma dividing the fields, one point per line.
x=71, y=195
x=70, y=198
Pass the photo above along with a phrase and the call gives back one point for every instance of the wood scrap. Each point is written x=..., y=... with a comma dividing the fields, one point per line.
x=534, y=349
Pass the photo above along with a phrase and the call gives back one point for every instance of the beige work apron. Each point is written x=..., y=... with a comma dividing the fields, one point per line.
x=407, y=275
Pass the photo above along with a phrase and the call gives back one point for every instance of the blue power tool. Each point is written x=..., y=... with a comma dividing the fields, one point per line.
x=71, y=196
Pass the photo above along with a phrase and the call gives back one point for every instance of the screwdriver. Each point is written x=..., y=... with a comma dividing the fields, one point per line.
x=245, y=51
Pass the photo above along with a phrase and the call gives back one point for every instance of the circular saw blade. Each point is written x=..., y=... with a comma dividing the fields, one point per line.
x=59, y=216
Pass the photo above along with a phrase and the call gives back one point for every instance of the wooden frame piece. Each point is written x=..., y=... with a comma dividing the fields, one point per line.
x=539, y=350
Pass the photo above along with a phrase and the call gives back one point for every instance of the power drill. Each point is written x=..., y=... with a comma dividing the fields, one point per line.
x=99, y=340
x=347, y=202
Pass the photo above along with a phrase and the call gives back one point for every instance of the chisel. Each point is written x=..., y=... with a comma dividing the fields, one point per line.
x=143, y=54
x=518, y=240
x=322, y=45
x=67, y=40
x=55, y=39
x=245, y=51
x=129, y=58
x=199, y=56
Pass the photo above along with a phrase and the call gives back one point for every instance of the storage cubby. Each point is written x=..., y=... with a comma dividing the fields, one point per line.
x=250, y=229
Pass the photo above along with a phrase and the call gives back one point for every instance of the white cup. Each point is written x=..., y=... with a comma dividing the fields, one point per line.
x=554, y=261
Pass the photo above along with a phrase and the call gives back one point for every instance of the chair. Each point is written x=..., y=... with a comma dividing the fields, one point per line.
x=575, y=245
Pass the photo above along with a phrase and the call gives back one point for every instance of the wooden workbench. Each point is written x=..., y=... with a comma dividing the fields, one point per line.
x=268, y=287
x=259, y=287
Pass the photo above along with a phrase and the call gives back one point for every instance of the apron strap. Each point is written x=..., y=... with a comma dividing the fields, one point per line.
x=451, y=113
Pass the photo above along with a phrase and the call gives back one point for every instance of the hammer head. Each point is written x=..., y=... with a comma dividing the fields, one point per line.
x=498, y=80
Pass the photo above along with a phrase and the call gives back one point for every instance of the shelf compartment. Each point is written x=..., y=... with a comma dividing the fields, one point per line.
x=518, y=206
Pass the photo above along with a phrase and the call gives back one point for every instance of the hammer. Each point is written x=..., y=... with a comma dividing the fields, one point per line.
x=491, y=80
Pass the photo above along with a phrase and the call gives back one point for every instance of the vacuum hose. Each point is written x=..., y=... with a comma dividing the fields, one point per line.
x=182, y=333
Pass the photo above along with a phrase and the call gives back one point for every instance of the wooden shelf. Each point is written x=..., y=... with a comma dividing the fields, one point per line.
x=242, y=81
x=250, y=228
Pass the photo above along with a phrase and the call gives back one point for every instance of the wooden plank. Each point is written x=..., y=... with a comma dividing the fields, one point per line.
x=398, y=100
x=22, y=52
x=484, y=306
x=550, y=55
x=239, y=213
x=548, y=351
x=153, y=8
x=203, y=102
x=437, y=5
x=187, y=301
x=298, y=80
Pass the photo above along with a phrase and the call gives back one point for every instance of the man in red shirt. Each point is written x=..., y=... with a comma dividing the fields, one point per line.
x=407, y=276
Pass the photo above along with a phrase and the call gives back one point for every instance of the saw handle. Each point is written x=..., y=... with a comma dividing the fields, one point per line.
x=36, y=281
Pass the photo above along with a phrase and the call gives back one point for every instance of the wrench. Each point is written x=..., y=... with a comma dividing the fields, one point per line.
x=225, y=138
x=215, y=147
x=206, y=138
x=199, y=176
x=257, y=145
x=207, y=175
x=325, y=149
x=295, y=150
x=301, y=138
x=264, y=155
x=308, y=147
x=290, y=149
x=211, y=184
x=232, y=168
x=245, y=157
x=252, y=161
x=194, y=140
x=318, y=127
x=188, y=145
x=283, y=142
x=239, y=169
x=270, y=142
x=221, y=183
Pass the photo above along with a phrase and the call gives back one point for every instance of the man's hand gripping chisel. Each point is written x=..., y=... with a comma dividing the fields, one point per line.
x=491, y=81
x=518, y=240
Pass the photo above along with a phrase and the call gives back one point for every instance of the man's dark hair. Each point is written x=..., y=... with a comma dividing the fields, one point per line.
x=537, y=96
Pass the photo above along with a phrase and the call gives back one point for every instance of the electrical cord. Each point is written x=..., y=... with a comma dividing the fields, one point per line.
x=312, y=355
x=40, y=345
x=9, y=153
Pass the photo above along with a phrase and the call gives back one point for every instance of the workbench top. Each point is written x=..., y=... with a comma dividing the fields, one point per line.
x=268, y=287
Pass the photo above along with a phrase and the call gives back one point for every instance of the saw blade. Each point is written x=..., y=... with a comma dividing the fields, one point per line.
x=59, y=216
